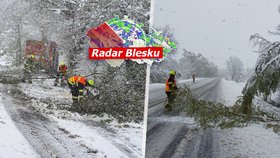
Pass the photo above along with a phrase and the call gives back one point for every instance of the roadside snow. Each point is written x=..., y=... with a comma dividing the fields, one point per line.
x=156, y=86
x=91, y=138
x=264, y=106
x=230, y=91
x=275, y=97
x=44, y=90
x=12, y=142
x=189, y=81
x=253, y=141
x=5, y=60
x=122, y=142
x=103, y=135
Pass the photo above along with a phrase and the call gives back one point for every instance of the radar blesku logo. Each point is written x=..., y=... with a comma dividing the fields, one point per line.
x=125, y=53
x=125, y=39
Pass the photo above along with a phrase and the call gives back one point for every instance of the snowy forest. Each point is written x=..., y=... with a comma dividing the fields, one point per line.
x=185, y=67
x=66, y=22
x=41, y=116
x=260, y=97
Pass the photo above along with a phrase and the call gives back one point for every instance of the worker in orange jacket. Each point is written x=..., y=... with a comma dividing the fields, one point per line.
x=77, y=84
x=62, y=72
x=170, y=87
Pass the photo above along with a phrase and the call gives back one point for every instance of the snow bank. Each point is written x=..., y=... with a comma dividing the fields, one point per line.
x=230, y=91
x=12, y=142
x=253, y=141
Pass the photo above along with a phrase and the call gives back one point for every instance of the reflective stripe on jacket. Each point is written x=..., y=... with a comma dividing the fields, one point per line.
x=28, y=64
x=170, y=86
x=75, y=80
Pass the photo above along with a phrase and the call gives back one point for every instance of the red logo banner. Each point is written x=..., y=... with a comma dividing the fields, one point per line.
x=125, y=53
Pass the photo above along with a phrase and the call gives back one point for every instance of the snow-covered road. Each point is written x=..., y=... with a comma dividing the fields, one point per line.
x=179, y=136
x=43, y=127
x=30, y=127
x=13, y=143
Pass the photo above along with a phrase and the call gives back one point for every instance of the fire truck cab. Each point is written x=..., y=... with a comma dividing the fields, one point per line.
x=46, y=54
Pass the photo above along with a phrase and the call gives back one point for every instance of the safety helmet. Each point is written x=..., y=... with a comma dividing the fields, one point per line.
x=172, y=72
x=62, y=63
x=32, y=56
x=90, y=82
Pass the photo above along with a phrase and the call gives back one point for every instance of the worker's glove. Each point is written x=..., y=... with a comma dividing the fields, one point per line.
x=95, y=92
x=92, y=92
x=88, y=94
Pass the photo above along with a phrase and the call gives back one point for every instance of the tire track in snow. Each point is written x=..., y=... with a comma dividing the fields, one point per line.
x=44, y=136
x=154, y=129
x=171, y=148
x=205, y=149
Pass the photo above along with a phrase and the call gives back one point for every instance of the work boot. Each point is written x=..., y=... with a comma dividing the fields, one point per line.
x=75, y=102
x=74, y=107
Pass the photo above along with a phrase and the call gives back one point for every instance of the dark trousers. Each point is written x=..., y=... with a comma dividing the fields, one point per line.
x=60, y=75
x=27, y=76
x=77, y=92
x=170, y=96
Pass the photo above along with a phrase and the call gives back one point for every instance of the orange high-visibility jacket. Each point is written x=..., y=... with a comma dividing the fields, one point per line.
x=75, y=80
x=62, y=68
x=169, y=86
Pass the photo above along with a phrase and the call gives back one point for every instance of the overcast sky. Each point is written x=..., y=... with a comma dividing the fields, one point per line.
x=219, y=29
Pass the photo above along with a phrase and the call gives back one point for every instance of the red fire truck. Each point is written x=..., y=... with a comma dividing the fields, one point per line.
x=46, y=55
